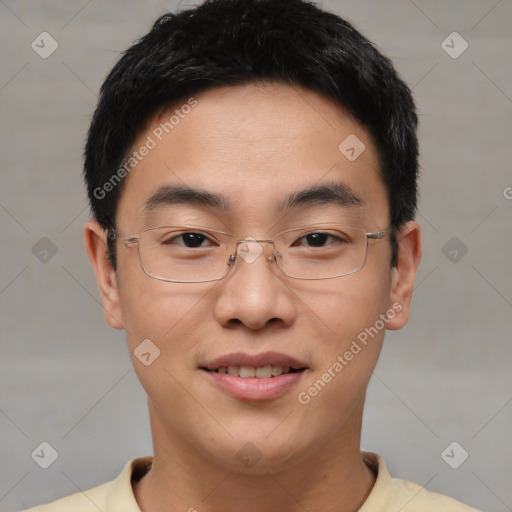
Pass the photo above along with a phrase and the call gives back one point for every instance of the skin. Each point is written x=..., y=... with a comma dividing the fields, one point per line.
x=255, y=144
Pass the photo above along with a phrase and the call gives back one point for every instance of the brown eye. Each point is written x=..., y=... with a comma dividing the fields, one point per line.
x=189, y=239
x=316, y=239
x=320, y=239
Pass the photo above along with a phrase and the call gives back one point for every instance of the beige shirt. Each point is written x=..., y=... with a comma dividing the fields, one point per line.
x=388, y=494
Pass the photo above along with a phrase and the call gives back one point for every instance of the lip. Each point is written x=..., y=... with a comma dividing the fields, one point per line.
x=254, y=360
x=254, y=389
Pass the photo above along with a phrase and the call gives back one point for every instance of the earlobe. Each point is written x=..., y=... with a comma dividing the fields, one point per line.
x=403, y=275
x=96, y=248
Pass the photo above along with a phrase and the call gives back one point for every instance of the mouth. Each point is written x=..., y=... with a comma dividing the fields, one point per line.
x=262, y=366
x=257, y=377
x=260, y=372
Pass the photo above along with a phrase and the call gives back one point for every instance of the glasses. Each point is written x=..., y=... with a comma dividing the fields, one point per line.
x=194, y=254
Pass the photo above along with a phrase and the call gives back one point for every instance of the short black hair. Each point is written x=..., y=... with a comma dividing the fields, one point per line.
x=235, y=42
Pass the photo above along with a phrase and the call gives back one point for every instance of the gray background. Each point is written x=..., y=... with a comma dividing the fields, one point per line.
x=66, y=378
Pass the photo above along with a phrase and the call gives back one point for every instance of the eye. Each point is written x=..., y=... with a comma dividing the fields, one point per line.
x=189, y=239
x=321, y=239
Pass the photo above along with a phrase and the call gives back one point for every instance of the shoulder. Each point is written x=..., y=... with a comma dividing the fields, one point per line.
x=417, y=499
x=113, y=496
x=391, y=494
x=86, y=501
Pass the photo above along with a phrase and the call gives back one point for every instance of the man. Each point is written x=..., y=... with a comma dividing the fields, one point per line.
x=251, y=168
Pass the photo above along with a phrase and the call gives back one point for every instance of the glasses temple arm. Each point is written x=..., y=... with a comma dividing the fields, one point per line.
x=377, y=235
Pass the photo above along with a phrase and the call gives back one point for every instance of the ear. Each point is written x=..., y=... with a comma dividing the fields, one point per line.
x=96, y=248
x=402, y=276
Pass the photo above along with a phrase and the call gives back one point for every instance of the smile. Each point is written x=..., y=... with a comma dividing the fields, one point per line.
x=261, y=372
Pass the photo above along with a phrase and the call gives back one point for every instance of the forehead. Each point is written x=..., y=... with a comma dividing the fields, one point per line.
x=254, y=145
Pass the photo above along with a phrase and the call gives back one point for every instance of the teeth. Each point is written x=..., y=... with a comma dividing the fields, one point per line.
x=276, y=370
x=265, y=372
x=246, y=372
x=233, y=370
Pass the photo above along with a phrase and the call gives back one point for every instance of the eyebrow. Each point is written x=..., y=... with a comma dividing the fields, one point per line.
x=170, y=194
x=326, y=194
x=329, y=193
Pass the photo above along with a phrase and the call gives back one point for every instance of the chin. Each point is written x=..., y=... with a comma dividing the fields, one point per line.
x=260, y=454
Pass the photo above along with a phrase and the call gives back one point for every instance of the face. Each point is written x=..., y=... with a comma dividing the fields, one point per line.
x=254, y=146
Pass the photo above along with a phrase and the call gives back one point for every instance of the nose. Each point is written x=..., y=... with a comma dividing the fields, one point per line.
x=254, y=293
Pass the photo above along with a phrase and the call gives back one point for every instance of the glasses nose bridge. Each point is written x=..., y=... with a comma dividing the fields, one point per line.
x=254, y=241
x=251, y=240
x=251, y=253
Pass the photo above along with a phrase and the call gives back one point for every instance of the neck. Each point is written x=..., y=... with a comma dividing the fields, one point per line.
x=331, y=477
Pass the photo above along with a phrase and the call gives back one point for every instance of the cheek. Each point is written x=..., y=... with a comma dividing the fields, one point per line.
x=342, y=308
x=354, y=307
x=166, y=313
x=346, y=358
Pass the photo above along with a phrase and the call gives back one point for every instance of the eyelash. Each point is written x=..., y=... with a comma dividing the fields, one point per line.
x=303, y=236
